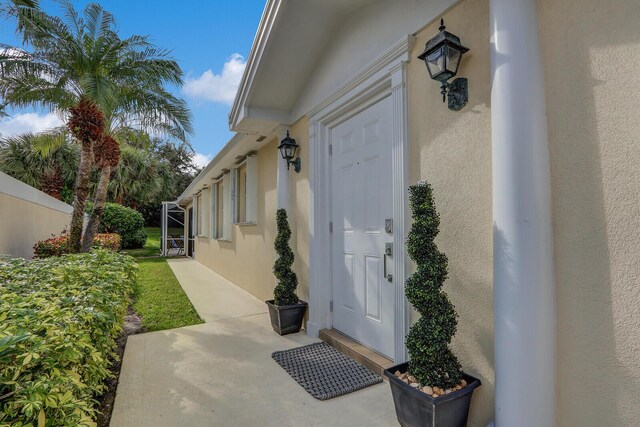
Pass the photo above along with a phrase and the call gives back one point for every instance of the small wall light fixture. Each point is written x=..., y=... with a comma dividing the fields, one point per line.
x=442, y=55
x=288, y=148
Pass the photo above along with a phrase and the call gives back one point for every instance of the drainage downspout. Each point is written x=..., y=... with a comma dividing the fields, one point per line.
x=523, y=274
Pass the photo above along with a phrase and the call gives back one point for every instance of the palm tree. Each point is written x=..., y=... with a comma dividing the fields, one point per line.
x=79, y=62
x=44, y=161
x=138, y=178
x=106, y=156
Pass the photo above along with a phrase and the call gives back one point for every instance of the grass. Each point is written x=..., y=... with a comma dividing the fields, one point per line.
x=159, y=298
x=151, y=248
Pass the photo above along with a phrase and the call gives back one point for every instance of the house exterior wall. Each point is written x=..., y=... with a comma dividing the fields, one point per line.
x=28, y=215
x=363, y=36
x=300, y=208
x=452, y=151
x=591, y=60
x=247, y=259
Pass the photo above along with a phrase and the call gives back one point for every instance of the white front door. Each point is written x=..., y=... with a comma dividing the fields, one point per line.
x=362, y=199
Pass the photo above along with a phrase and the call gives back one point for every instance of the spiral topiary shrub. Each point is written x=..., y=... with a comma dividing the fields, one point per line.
x=431, y=360
x=285, y=291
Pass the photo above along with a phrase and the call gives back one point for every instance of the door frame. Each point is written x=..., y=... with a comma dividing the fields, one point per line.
x=385, y=77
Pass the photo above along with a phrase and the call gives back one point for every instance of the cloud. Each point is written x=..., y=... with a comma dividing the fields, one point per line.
x=28, y=122
x=201, y=160
x=218, y=87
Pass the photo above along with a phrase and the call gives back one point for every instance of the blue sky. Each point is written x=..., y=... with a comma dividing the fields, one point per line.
x=210, y=39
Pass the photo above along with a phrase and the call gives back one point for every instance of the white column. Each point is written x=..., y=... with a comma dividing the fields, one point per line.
x=400, y=202
x=319, y=237
x=283, y=174
x=523, y=278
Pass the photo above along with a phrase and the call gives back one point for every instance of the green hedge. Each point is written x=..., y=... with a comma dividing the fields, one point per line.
x=60, y=319
x=126, y=222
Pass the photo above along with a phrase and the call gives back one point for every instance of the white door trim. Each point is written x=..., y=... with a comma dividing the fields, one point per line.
x=385, y=76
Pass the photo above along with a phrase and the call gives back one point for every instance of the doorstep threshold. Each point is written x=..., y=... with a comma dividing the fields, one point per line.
x=358, y=352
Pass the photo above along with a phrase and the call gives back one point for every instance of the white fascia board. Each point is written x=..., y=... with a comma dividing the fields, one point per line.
x=263, y=121
x=257, y=49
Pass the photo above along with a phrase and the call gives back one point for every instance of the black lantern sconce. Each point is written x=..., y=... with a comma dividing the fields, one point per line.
x=442, y=55
x=288, y=148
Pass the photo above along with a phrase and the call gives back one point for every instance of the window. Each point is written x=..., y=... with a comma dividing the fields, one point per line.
x=242, y=193
x=226, y=203
x=245, y=194
x=217, y=209
x=198, y=209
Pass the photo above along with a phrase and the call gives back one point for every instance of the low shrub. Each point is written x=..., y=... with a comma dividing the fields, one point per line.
x=60, y=320
x=59, y=245
x=126, y=222
x=54, y=246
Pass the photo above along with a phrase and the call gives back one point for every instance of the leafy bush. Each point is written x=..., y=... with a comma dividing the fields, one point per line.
x=431, y=360
x=127, y=222
x=54, y=246
x=59, y=245
x=285, y=291
x=60, y=320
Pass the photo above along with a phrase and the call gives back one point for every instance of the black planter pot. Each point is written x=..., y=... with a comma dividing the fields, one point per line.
x=415, y=408
x=287, y=319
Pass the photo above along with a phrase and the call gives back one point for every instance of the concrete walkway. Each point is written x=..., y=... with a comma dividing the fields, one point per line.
x=221, y=373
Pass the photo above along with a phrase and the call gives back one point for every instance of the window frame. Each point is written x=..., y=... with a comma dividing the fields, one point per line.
x=237, y=220
x=198, y=217
x=250, y=164
x=217, y=214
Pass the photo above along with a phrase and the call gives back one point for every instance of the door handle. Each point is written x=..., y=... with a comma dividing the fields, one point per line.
x=389, y=277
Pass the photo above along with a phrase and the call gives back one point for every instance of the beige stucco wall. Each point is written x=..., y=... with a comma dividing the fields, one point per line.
x=247, y=259
x=300, y=205
x=24, y=223
x=452, y=151
x=591, y=58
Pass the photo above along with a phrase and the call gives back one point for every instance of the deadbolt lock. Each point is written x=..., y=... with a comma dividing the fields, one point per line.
x=388, y=225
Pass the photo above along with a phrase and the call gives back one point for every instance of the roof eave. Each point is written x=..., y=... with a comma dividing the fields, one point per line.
x=258, y=46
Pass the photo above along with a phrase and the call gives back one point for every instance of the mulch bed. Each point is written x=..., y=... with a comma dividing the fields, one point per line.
x=132, y=326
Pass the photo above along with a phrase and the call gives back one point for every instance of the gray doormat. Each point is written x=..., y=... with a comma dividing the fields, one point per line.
x=323, y=371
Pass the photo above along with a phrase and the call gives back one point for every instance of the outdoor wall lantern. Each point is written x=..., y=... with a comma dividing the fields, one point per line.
x=442, y=55
x=288, y=148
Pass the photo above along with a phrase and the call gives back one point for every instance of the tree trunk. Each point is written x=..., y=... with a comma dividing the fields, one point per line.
x=80, y=200
x=98, y=207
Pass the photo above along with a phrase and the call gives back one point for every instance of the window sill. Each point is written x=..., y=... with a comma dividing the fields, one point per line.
x=242, y=224
x=220, y=239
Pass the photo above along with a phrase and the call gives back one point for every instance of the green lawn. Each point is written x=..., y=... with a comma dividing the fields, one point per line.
x=159, y=298
x=151, y=248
